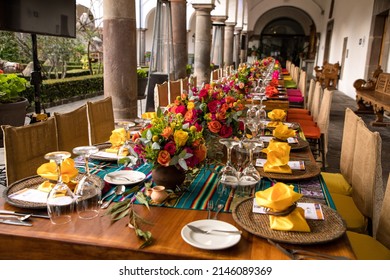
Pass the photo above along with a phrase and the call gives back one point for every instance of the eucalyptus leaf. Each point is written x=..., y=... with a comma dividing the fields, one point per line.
x=187, y=156
x=149, y=135
x=183, y=164
x=156, y=146
x=142, y=199
x=121, y=215
x=174, y=160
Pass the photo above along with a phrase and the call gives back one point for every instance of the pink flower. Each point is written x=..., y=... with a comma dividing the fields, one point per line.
x=170, y=147
x=181, y=109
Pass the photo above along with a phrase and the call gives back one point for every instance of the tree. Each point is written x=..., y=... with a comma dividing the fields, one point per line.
x=9, y=48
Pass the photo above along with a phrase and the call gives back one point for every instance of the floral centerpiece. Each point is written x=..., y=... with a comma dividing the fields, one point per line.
x=171, y=141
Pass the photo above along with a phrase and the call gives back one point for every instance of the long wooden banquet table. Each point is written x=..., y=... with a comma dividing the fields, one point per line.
x=99, y=238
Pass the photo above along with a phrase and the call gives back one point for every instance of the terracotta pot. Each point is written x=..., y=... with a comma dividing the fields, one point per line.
x=169, y=177
x=158, y=194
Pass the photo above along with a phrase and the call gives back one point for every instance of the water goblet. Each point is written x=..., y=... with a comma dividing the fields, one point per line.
x=228, y=177
x=249, y=177
x=126, y=154
x=87, y=192
x=60, y=200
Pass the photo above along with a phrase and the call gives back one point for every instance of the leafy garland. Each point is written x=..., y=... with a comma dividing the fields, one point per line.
x=126, y=208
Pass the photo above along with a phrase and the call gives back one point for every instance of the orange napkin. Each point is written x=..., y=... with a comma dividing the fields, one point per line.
x=278, y=198
x=278, y=155
x=282, y=132
x=271, y=91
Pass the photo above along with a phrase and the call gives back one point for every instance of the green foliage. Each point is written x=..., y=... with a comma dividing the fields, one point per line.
x=9, y=49
x=142, y=73
x=11, y=85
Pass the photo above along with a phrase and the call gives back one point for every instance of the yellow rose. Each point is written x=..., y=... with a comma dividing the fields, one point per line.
x=180, y=137
x=190, y=105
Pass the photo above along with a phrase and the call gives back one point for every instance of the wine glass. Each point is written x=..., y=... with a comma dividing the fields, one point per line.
x=262, y=117
x=228, y=176
x=87, y=192
x=60, y=201
x=249, y=177
x=126, y=154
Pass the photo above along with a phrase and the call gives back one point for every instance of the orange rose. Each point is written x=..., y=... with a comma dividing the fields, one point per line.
x=200, y=152
x=164, y=158
x=214, y=126
x=221, y=115
x=167, y=132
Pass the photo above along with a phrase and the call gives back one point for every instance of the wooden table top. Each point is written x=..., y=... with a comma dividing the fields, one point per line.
x=99, y=239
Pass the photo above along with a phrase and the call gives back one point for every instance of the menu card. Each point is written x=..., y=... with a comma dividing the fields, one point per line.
x=294, y=165
x=313, y=211
x=30, y=195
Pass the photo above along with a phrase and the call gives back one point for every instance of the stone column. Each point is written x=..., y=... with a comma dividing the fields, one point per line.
x=179, y=37
x=141, y=55
x=120, y=57
x=229, y=43
x=202, y=42
x=237, y=46
x=218, y=39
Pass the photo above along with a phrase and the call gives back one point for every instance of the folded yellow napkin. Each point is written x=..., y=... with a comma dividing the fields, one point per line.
x=148, y=115
x=117, y=139
x=282, y=132
x=277, y=115
x=49, y=170
x=278, y=198
x=274, y=123
x=278, y=155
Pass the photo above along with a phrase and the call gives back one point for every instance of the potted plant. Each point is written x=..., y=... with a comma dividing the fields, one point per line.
x=12, y=105
x=142, y=75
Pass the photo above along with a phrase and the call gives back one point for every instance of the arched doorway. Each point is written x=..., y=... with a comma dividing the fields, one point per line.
x=286, y=33
x=284, y=38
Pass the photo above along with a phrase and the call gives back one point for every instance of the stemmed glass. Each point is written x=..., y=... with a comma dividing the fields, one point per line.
x=60, y=201
x=126, y=154
x=228, y=176
x=249, y=177
x=87, y=192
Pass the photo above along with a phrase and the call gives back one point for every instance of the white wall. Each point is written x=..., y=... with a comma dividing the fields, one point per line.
x=354, y=24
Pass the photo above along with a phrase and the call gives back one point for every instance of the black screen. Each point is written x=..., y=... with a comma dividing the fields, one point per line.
x=47, y=17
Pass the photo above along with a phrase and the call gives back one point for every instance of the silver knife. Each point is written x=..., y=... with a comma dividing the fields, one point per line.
x=15, y=222
x=24, y=214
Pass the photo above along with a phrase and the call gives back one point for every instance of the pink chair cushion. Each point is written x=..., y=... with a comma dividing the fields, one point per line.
x=295, y=99
x=294, y=92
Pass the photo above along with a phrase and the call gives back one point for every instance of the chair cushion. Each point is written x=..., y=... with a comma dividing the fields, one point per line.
x=294, y=92
x=350, y=213
x=297, y=117
x=367, y=248
x=336, y=183
x=310, y=131
x=295, y=99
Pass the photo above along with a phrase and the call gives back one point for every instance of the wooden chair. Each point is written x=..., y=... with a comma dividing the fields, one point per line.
x=308, y=101
x=161, y=95
x=214, y=75
x=295, y=74
x=26, y=146
x=359, y=210
x=184, y=85
x=174, y=90
x=366, y=247
x=101, y=120
x=192, y=82
x=341, y=182
x=72, y=129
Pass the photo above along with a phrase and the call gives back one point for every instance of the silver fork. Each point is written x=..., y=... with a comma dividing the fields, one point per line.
x=210, y=206
x=199, y=230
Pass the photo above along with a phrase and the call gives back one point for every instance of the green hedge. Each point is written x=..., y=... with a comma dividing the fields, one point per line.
x=56, y=90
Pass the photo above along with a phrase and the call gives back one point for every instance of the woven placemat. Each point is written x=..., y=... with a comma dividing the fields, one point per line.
x=311, y=170
x=32, y=183
x=322, y=231
x=104, y=146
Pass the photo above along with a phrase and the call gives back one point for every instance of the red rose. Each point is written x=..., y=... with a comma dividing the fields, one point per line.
x=213, y=106
x=170, y=147
x=226, y=131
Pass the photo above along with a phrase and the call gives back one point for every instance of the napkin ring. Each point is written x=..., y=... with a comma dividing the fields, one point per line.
x=284, y=212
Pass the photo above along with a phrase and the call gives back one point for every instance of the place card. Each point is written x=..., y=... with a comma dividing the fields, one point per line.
x=294, y=165
x=313, y=211
x=103, y=154
x=30, y=195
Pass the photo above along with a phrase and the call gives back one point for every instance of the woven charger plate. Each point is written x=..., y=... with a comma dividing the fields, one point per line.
x=322, y=231
x=33, y=183
x=311, y=170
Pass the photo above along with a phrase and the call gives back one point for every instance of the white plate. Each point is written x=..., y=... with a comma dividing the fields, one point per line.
x=211, y=241
x=124, y=177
